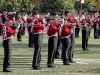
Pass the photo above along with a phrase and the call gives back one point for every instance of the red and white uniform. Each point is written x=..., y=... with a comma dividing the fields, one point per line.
x=10, y=18
x=99, y=23
x=29, y=21
x=65, y=32
x=38, y=27
x=52, y=30
x=3, y=16
x=7, y=32
x=88, y=21
x=83, y=22
x=71, y=20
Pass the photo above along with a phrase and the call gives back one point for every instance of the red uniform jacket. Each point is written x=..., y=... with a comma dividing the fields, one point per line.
x=65, y=31
x=83, y=22
x=7, y=32
x=9, y=16
x=52, y=30
x=3, y=16
x=96, y=18
x=71, y=20
x=88, y=21
x=99, y=23
x=29, y=20
x=38, y=27
x=16, y=19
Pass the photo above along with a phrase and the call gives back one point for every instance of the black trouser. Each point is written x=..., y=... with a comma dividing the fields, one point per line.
x=0, y=30
x=19, y=34
x=96, y=30
x=72, y=44
x=23, y=30
x=57, y=52
x=31, y=36
x=77, y=29
x=89, y=31
x=85, y=37
x=65, y=49
x=7, y=44
x=37, y=49
x=52, y=45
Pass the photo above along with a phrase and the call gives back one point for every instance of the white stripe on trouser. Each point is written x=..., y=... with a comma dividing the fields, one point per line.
x=4, y=32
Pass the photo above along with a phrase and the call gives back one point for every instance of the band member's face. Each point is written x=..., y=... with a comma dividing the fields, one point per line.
x=7, y=23
x=56, y=22
x=51, y=21
x=5, y=12
x=68, y=14
x=36, y=16
x=19, y=16
x=30, y=14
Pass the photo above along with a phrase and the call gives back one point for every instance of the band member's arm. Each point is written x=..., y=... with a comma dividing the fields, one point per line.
x=11, y=31
x=55, y=28
x=37, y=24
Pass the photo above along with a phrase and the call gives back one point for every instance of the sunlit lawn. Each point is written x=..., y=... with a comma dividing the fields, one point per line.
x=87, y=62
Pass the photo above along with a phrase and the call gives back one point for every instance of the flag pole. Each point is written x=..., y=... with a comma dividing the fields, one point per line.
x=81, y=6
x=81, y=2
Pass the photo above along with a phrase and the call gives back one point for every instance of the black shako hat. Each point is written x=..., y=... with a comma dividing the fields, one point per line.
x=4, y=9
x=5, y=19
x=49, y=18
x=29, y=12
x=66, y=12
x=53, y=13
x=35, y=13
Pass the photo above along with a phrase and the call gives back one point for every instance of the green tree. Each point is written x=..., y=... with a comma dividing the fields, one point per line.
x=85, y=6
x=1, y=3
x=56, y=5
x=17, y=5
x=95, y=3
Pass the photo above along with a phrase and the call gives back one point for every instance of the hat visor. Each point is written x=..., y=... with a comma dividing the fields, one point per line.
x=49, y=18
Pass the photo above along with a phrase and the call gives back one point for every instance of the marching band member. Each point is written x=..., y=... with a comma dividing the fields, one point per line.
x=52, y=32
x=85, y=32
x=96, y=28
x=7, y=34
x=65, y=34
x=57, y=52
x=0, y=24
x=3, y=15
x=23, y=25
x=29, y=25
x=77, y=29
x=19, y=34
x=99, y=24
x=37, y=29
x=70, y=19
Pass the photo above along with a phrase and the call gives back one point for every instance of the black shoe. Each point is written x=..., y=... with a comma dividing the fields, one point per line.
x=30, y=46
x=72, y=61
x=51, y=66
x=37, y=68
x=86, y=49
x=66, y=64
x=19, y=40
x=57, y=57
x=7, y=70
x=96, y=38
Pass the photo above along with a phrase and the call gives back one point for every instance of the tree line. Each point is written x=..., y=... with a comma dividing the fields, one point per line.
x=44, y=5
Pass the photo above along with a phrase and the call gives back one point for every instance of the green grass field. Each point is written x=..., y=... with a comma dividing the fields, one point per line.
x=87, y=62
